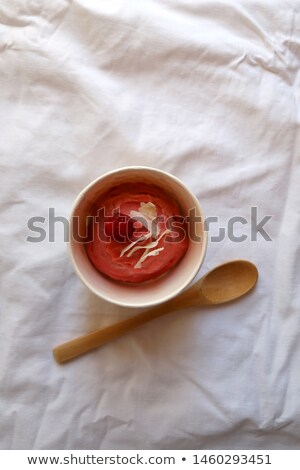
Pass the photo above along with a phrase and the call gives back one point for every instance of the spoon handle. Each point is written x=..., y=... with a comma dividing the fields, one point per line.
x=227, y=282
x=85, y=343
x=74, y=348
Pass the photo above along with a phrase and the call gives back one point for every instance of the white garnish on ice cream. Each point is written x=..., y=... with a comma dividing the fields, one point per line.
x=146, y=214
x=149, y=246
x=145, y=255
x=148, y=209
x=141, y=239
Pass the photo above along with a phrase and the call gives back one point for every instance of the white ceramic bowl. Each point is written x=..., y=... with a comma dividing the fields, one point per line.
x=153, y=292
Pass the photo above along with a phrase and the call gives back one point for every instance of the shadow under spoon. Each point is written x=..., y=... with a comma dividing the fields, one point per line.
x=225, y=283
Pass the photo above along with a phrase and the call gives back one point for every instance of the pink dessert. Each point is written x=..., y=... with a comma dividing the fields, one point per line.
x=138, y=234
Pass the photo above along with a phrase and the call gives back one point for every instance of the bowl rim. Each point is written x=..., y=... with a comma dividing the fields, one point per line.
x=188, y=279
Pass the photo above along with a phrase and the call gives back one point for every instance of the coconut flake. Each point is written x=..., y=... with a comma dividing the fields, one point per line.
x=143, y=247
x=148, y=209
x=141, y=218
x=145, y=214
x=148, y=246
x=146, y=255
x=142, y=238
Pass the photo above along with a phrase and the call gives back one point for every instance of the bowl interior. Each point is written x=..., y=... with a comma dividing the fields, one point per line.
x=149, y=293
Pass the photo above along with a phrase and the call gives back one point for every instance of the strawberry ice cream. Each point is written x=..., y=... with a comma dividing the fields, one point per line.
x=137, y=233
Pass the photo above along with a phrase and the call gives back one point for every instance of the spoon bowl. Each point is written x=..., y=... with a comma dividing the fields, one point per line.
x=224, y=283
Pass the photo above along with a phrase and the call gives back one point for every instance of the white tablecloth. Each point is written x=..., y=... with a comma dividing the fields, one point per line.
x=208, y=91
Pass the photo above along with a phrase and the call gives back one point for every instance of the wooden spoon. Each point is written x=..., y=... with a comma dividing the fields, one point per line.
x=226, y=282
